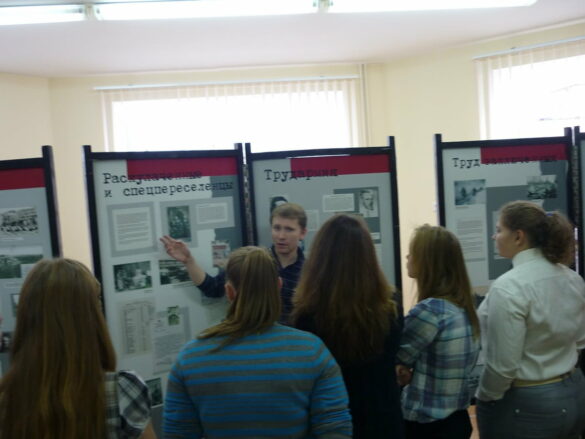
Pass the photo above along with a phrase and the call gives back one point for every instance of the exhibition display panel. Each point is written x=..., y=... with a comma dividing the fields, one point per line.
x=475, y=178
x=151, y=305
x=28, y=230
x=359, y=181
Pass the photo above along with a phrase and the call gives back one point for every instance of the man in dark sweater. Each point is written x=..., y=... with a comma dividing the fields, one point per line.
x=288, y=225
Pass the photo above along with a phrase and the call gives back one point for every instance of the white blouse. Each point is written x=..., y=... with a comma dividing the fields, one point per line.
x=532, y=324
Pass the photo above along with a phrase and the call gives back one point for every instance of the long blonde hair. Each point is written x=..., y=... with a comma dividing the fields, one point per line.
x=253, y=274
x=439, y=269
x=344, y=290
x=54, y=388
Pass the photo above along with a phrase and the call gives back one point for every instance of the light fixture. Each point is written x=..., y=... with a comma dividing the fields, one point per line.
x=419, y=5
x=41, y=14
x=202, y=8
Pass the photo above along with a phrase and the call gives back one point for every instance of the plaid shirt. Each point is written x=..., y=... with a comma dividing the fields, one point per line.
x=127, y=405
x=438, y=343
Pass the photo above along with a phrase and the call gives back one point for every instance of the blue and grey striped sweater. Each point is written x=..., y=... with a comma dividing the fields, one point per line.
x=282, y=383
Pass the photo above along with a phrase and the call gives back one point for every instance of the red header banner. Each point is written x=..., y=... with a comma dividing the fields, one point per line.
x=523, y=154
x=22, y=178
x=181, y=168
x=344, y=165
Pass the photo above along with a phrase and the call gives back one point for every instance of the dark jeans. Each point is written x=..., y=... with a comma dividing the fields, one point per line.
x=549, y=411
x=455, y=426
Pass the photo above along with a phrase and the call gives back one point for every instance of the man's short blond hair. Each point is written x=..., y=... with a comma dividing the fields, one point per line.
x=290, y=211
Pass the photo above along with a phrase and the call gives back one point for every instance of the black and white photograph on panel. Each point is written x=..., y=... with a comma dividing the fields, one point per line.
x=132, y=276
x=362, y=201
x=276, y=201
x=541, y=187
x=155, y=391
x=172, y=272
x=14, y=302
x=5, y=341
x=220, y=250
x=368, y=203
x=173, y=316
x=469, y=192
x=179, y=223
x=18, y=221
x=16, y=262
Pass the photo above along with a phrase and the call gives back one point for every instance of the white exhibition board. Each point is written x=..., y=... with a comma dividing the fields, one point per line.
x=28, y=231
x=152, y=308
x=477, y=178
x=329, y=182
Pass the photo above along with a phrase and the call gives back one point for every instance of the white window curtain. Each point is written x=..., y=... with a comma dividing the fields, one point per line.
x=532, y=92
x=273, y=115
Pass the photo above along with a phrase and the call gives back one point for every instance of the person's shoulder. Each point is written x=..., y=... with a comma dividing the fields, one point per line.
x=301, y=336
x=300, y=256
x=514, y=284
x=290, y=331
x=522, y=276
x=567, y=271
x=510, y=277
x=432, y=304
x=433, y=310
x=196, y=347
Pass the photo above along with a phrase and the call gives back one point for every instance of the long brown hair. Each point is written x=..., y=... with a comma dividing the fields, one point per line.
x=54, y=388
x=252, y=273
x=344, y=290
x=439, y=269
x=551, y=233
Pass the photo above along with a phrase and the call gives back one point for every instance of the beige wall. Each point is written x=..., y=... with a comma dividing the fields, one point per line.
x=410, y=99
x=25, y=116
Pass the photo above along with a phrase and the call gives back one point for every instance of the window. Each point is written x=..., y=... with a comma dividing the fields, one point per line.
x=277, y=115
x=535, y=92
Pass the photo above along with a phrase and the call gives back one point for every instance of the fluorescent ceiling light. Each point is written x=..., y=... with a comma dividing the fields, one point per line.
x=419, y=5
x=41, y=14
x=202, y=8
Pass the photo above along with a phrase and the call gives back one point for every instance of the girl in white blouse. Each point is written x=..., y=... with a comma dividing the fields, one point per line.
x=532, y=326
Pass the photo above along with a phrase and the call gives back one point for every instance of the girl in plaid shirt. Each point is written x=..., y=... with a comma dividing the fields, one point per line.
x=440, y=340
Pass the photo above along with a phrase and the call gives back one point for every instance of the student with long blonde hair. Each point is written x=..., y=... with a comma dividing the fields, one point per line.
x=440, y=340
x=251, y=377
x=344, y=298
x=62, y=383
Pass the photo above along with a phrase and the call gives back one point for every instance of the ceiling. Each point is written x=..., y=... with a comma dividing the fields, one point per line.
x=97, y=47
